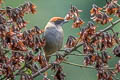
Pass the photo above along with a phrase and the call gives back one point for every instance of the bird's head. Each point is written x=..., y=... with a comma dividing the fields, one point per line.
x=58, y=20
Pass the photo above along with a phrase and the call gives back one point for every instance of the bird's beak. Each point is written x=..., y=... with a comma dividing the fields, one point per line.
x=65, y=21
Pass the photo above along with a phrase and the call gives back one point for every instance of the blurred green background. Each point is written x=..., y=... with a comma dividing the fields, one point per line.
x=47, y=9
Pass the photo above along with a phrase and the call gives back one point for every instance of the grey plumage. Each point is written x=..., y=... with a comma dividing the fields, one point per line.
x=54, y=38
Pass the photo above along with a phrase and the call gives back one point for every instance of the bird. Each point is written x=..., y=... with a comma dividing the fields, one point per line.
x=53, y=35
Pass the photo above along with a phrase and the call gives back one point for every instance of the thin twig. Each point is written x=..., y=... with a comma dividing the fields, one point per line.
x=42, y=70
x=78, y=65
x=61, y=50
x=78, y=51
x=79, y=54
x=15, y=50
x=112, y=28
x=83, y=66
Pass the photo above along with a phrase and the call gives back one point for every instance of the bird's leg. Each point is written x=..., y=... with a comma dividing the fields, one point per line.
x=45, y=56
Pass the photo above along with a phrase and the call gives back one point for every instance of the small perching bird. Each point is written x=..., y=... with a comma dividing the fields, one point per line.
x=53, y=34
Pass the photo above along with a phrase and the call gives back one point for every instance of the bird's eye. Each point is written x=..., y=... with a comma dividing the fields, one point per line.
x=59, y=22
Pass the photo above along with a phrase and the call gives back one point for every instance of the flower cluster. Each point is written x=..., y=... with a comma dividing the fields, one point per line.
x=98, y=16
x=16, y=14
x=71, y=42
x=116, y=51
x=104, y=75
x=118, y=66
x=87, y=32
x=113, y=8
x=74, y=15
x=98, y=60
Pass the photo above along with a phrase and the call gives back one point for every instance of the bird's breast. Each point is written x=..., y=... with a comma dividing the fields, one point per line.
x=54, y=39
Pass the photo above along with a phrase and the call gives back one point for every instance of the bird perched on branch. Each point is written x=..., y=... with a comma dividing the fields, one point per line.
x=53, y=34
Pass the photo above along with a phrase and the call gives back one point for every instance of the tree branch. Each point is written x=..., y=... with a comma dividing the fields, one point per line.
x=110, y=26
x=42, y=70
